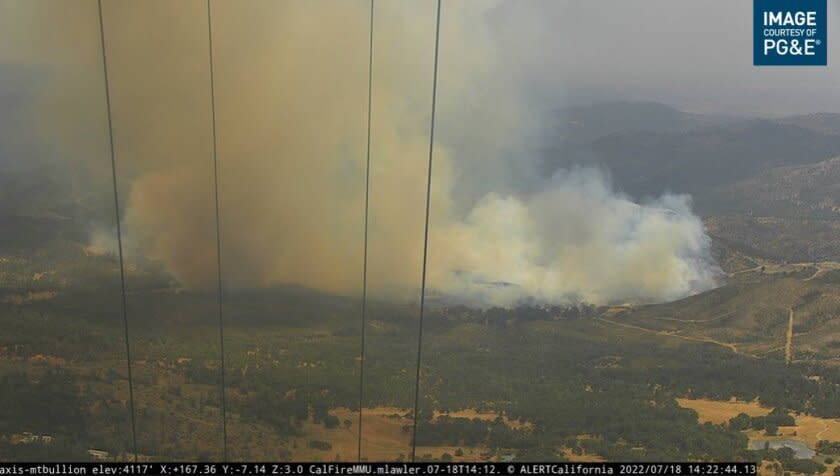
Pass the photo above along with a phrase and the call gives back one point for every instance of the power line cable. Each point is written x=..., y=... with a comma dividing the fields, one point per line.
x=367, y=209
x=218, y=235
x=119, y=228
x=426, y=237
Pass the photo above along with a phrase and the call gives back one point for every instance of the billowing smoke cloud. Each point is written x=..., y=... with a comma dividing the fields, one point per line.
x=291, y=97
x=574, y=241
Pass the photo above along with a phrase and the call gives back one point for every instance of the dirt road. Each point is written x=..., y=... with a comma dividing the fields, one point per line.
x=788, y=350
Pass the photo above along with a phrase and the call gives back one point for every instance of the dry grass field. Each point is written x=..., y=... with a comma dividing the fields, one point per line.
x=582, y=458
x=808, y=429
x=718, y=412
x=384, y=438
x=488, y=416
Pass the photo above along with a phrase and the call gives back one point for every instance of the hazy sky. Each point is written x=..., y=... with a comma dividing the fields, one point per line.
x=695, y=55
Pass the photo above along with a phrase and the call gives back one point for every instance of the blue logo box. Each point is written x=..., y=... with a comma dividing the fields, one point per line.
x=790, y=33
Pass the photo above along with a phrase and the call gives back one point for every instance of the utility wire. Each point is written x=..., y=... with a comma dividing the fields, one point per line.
x=426, y=237
x=218, y=234
x=119, y=228
x=367, y=208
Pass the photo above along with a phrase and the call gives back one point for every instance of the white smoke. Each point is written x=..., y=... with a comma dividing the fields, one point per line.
x=574, y=241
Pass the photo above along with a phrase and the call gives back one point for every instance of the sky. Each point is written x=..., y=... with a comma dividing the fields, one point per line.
x=693, y=55
x=696, y=56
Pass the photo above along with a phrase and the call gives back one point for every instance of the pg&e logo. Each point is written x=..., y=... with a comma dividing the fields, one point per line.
x=790, y=33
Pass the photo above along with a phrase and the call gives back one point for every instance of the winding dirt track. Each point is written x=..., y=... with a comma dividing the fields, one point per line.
x=728, y=345
x=696, y=321
x=819, y=434
x=788, y=350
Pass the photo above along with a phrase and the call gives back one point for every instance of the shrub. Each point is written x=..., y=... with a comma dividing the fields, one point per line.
x=320, y=445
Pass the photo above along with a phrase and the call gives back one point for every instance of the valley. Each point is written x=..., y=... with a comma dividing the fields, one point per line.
x=629, y=381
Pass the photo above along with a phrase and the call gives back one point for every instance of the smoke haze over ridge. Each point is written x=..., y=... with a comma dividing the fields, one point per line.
x=291, y=98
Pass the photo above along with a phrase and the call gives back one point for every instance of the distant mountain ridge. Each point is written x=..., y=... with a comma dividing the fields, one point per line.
x=785, y=213
x=811, y=190
x=825, y=122
x=581, y=124
x=650, y=148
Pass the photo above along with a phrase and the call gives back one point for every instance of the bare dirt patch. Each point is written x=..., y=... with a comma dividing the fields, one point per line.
x=29, y=296
x=582, y=458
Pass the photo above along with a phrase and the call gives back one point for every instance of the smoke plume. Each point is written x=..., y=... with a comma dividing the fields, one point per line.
x=291, y=107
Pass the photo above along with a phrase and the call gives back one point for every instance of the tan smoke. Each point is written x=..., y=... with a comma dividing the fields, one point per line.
x=291, y=107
